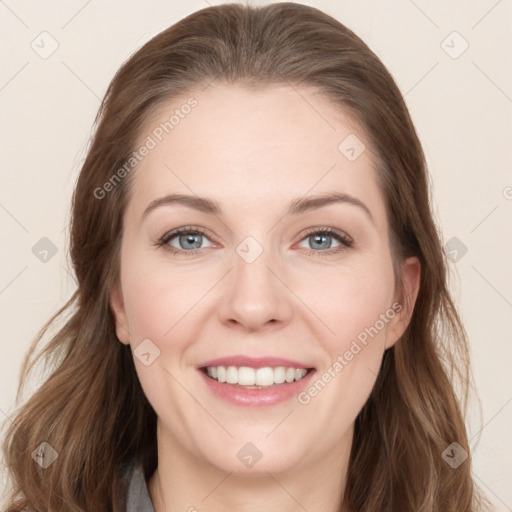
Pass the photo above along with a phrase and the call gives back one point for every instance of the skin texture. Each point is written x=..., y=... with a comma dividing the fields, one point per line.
x=255, y=152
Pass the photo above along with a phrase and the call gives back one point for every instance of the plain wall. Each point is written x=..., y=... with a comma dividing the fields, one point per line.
x=461, y=106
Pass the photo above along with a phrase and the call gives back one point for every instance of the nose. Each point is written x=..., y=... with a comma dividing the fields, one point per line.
x=255, y=296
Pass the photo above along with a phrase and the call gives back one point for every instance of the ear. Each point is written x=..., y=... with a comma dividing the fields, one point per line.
x=405, y=299
x=118, y=311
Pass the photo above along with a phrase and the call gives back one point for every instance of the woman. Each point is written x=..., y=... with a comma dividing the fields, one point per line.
x=302, y=352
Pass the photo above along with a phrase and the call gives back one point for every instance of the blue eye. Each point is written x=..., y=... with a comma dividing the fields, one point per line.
x=322, y=239
x=189, y=240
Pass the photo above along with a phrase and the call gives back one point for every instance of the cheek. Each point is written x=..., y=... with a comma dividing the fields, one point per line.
x=160, y=304
x=362, y=305
x=348, y=300
x=157, y=298
x=358, y=307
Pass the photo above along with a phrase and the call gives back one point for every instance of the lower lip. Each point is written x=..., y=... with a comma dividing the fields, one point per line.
x=264, y=397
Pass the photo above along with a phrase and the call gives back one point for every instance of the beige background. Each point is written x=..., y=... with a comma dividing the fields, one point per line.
x=461, y=102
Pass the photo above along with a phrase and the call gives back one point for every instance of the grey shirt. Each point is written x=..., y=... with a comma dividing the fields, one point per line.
x=138, y=499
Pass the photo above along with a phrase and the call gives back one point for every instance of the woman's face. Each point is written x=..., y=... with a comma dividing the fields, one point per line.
x=266, y=275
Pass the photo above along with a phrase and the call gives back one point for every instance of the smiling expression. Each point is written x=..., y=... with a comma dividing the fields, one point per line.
x=283, y=253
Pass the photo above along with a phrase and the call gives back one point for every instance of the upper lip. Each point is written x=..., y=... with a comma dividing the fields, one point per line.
x=254, y=362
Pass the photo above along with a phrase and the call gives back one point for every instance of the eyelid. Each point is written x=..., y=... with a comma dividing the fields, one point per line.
x=326, y=229
x=164, y=239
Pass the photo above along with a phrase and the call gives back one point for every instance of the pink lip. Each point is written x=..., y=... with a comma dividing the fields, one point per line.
x=264, y=397
x=254, y=362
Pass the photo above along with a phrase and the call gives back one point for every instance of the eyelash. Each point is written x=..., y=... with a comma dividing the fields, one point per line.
x=345, y=240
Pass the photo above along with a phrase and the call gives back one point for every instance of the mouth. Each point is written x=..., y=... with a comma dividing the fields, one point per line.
x=255, y=378
x=246, y=381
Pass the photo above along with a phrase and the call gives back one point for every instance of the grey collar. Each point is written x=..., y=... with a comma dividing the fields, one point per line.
x=138, y=499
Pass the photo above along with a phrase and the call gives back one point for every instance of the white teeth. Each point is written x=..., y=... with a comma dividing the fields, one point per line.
x=231, y=375
x=245, y=376
x=279, y=375
x=264, y=376
x=221, y=374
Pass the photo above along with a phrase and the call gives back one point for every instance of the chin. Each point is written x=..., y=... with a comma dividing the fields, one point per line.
x=253, y=457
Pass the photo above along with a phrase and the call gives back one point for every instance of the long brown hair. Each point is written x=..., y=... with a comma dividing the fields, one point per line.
x=91, y=409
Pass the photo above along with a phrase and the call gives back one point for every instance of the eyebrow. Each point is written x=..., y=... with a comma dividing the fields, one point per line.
x=297, y=206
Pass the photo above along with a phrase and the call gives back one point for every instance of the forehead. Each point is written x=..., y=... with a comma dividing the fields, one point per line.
x=254, y=149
